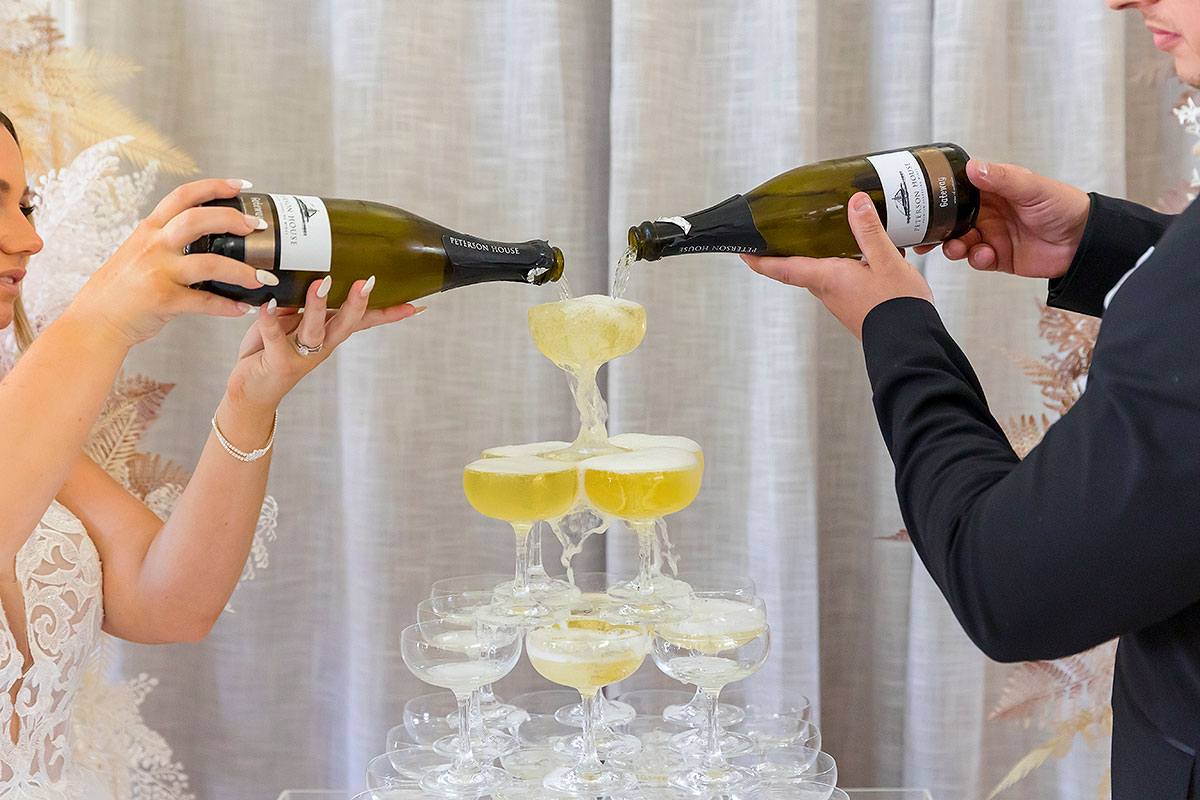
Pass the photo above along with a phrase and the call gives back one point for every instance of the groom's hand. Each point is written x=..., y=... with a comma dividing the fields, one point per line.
x=851, y=288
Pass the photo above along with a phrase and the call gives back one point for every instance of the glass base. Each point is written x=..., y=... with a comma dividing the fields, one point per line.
x=447, y=782
x=693, y=714
x=608, y=745
x=526, y=612
x=581, y=449
x=645, y=608
x=727, y=779
x=535, y=763
x=653, y=766
x=492, y=746
x=502, y=715
x=404, y=767
x=694, y=743
x=612, y=713
x=606, y=781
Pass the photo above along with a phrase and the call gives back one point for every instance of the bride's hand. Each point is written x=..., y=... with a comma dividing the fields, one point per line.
x=270, y=363
x=147, y=281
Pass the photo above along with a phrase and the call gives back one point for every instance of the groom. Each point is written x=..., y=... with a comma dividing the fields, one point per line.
x=1096, y=533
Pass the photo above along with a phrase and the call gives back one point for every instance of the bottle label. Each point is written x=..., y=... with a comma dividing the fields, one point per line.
x=905, y=194
x=469, y=252
x=943, y=212
x=303, y=237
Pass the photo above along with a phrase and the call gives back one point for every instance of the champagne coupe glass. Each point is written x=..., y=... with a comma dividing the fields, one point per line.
x=772, y=726
x=588, y=653
x=458, y=612
x=580, y=335
x=726, y=639
x=818, y=782
x=436, y=653
x=521, y=490
x=639, y=488
x=694, y=712
x=593, y=599
x=540, y=582
x=445, y=593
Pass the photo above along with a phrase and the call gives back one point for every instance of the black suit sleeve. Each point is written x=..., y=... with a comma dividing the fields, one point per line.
x=1117, y=234
x=1096, y=532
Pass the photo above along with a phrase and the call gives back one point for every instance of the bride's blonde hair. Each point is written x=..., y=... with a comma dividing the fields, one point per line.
x=22, y=330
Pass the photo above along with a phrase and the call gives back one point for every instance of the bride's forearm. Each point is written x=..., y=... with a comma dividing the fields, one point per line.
x=49, y=403
x=201, y=550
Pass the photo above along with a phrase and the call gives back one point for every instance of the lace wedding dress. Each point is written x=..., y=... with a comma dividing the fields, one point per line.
x=58, y=574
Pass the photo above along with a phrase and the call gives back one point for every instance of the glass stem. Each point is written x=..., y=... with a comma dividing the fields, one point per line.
x=713, y=759
x=590, y=763
x=521, y=580
x=487, y=696
x=536, y=569
x=646, y=539
x=476, y=726
x=465, y=764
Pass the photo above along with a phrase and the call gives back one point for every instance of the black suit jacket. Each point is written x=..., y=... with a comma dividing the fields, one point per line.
x=1096, y=533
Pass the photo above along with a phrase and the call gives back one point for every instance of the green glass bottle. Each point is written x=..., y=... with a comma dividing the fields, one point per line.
x=922, y=195
x=307, y=238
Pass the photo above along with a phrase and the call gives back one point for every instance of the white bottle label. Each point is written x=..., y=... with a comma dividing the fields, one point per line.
x=906, y=195
x=305, y=239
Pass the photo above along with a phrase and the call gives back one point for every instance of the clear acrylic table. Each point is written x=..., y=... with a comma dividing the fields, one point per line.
x=855, y=794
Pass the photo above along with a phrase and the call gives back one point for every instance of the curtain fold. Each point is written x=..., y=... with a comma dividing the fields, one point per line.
x=571, y=121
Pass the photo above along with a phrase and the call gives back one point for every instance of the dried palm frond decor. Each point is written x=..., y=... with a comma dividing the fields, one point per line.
x=58, y=94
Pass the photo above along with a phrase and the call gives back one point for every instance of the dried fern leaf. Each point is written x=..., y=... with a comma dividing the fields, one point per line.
x=148, y=472
x=145, y=395
x=899, y=536
x=115, y=437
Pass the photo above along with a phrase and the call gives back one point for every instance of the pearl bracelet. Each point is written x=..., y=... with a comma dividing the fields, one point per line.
x=240, y=455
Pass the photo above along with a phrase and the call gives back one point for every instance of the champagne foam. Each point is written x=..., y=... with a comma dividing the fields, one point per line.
x=644, y=441
x=530, y=449
x=519, y=465
x=653, y=459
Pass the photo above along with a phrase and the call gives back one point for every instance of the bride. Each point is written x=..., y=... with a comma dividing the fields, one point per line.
x=78, y=553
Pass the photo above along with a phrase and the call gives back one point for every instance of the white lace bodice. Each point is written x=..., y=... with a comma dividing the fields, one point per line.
x=58, y=572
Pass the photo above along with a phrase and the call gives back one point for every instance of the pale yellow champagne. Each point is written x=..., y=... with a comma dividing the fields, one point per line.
x=521, y=488
x=584, y=332
x=716, y=624
x=642, y=485
x=587, y=654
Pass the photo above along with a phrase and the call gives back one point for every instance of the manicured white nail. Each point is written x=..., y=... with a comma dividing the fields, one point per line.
x=272, y=306
x=368, y=286
x=326, y=284
x=240, y=184
x=266, y=277
x=256, y=223
x=245, y=308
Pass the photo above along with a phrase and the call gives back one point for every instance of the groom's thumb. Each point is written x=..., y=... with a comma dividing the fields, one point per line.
x=869, y=232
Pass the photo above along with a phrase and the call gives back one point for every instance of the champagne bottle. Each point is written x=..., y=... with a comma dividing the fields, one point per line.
x=307, y=238
x=922, y=195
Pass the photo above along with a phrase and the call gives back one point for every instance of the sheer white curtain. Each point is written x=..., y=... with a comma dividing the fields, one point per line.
x=571, y=121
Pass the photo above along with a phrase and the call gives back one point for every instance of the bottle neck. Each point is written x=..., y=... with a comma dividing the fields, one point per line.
x=727, y=227
x=470, y=259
